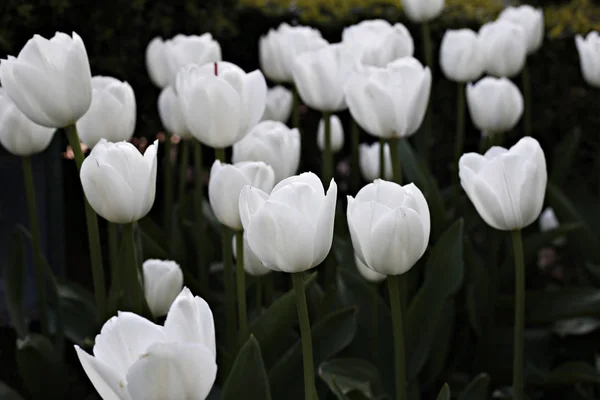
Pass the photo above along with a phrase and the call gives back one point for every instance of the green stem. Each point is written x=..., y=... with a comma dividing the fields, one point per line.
x=168, y=184
x=396, y=163
x=183, y=170
x=526, y=82
x=226, y=236
x=518, y=379
x=38, y=258
x=93, y=231
x=241, y=287
x=259, y=295
x=132, y=283
x=424, y=138
x=374, y=323
x=355, y=160
x=460, y=123
x=295, y=109
x=310, y=390
x=220, y=155
x=199, y=196
x=113, y=253
x=394, y=283
x=382, y=158
x=327, y=153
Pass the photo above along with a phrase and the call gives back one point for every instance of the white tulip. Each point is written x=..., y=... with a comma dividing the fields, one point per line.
x=507, y=187
x=279, y=104
x=169, y=110
x=290, y=230
x=461, y=58
x=184, y=50
x=279, y=48
x=549, y=222
x=163, y=281
x=252, y=264
x=589, y=57
x=112, y=114
x=273, y=143
x=226, y=183
x=156, y=63
x=18, y=134
x=495, y=104
x=389, y=226
x=368, y=158
x=531, y=20
x=119, y=182
x=368, y=273
x=337, y=134
x=220, y=110
x=422, y=10
x=504, y=47
x=50, y=80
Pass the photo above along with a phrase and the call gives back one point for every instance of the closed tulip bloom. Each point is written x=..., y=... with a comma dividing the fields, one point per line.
x=220, y=110
x=50, y=80
x=337, y=134
x=531, y=20
x=504, y=47
x=290, y=230
x=226, y=183
x=368, y=273
x=112, y=114
x=252, y=265
x=320, y=76
x=589, y=57
x=549, y=222
x=119, y=182
x=169, y=110
x=368, y=158
x=390, y=102
x=378, y=41
x=422, y=10
x=495, y=104
x=279, y=48
x=461, y=58
x=163, y=281
x=507, y=187
x=135, y=359
x=273, y=143
x=389, y=226
x=156, y=62
x=18, y=134
x=184, y=50
x=279, y=104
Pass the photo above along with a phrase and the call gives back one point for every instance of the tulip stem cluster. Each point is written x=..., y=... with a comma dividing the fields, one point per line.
x=133, y=285
x=526, y=82
x=327, y=154
x=168, y=184
x=241, y=287
x=183, y=169
x=199, y=195
x=93, y=232
x=113, y=253
x=394, y=283
x=518, y=379
x=460, y=127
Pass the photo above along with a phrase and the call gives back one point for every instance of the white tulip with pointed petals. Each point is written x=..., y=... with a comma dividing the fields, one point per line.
x=279, y=104
x=368, y=273
x=461, y=58
x=368, y=158
x=531, y=20
x=169, y=110
x=119, y=182
x=156, y=63
x=389, y=226
x=185, y=50
x=504, y=47
x=252, y=265
x=18, y=134
x=50, y=80
x=112, y=114
x=337, y=134
x=220, y=110
x=589, y=57
x=134, y=359
x=226, y=183
x=507, y=187
x=290, y=230
x=273, y=143
x=422, y=10
x=163, y=281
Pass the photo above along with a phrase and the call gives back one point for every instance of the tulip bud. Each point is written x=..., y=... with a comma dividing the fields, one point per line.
x=119, y=182
x=50, y=80
x=170, y=114
x=290, y=230
x=18, y=134
x=422, y=10
x=495, y=104
x=163, y=281
x=504, y=47
x=320, y=76
x=112, y=114
x=274, y=144
x=531, y=20
x=156, y=63
x=507, y=187
x=368, y=273
x=460, y=57
x=378, y=42
x=389, y=226
x=589, y=57
x=185, y=50
x=390, y=102
x=252, y=264
x=220, y=110
x=226, y=182
x=337, y=134
x=279, y=48
x=549, y=222
x=279, y=104
x=368, y=157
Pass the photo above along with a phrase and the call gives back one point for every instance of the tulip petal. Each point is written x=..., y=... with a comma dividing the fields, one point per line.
x=422, y=208
x=251, y=199
x=106, y=381
x=361, y=219
x=484, y=199
x=147, y=196
x=324, y=226
x=255, y=98
x=390, y=194
x=77, y=82
x=309, y=178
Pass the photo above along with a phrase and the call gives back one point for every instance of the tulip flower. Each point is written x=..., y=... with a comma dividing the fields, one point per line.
x=134, y=359
x=163, y=281
x=461, y=58
x=252, y=265
x=185, y=50
x=156, y=63
x=273, y=143
x=368, y=273
x=549, y=222
x=220, y=110
x=531, y=20
x=50, y=80
x=422, y=10
x=370, y=165
x=504, y=47
x=169, y=111
x=337, y=134
x=589, y=57
x=279, y=104
x=378, y=41
x=112, y=114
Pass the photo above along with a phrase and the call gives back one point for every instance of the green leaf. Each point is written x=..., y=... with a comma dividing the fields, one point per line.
x=330, y=335
x=444, y=393
x=440, y=347
x=248, y=377
x=8, y=393
x=478, y=389
x=14, y=283
x=570, y=373
x=443, y=277
x=351, y=374
x=533, y=243
x=564, y=155
x=478, y=288
x=78, y=309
